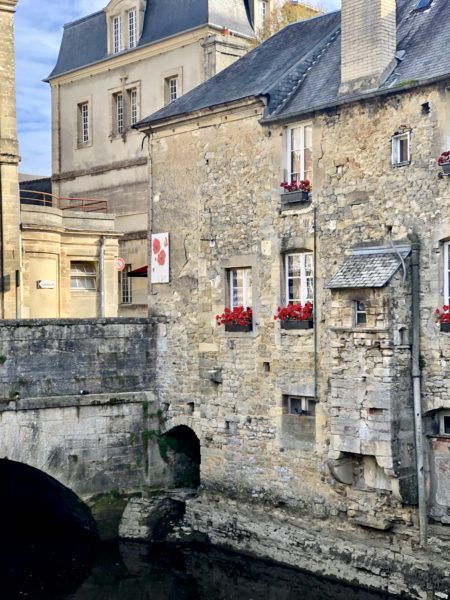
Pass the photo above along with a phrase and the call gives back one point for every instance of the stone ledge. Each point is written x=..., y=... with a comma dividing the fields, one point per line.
x=54, y=402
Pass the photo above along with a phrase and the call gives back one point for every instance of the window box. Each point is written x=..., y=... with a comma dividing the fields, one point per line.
x=445, y=327
x=235, y=328
x=295, y=197
x=446, y=168
x=293, y=324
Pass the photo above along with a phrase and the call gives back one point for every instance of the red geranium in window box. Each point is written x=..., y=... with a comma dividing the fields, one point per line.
x=444, y=162
x=295, y=191
x=295, y=316
x=443, y=315
x=237, y=319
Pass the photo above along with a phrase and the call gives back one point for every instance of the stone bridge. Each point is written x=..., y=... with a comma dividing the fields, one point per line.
x=79, y=404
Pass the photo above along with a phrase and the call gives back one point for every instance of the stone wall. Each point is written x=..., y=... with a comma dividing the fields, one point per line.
x=9, y=160
x=361, y=468
x=46, y=358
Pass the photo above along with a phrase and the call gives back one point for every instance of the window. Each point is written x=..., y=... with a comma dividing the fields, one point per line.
x=299, y=272
x=240, y=287
x=133, y=106
x=116, y=34
x=302, y=406
x=83, y=276
x=360, y=313
x=400, y=149
x=119, y=113
x=300, y=153
x=423, y=4
x=83, y=123
x=132, y=38
x=444, y=423
x=172, y=89
x=446, y=273
x=125, y=286
x=262, y=5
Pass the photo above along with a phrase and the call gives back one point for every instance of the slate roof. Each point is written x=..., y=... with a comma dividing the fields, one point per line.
x=298, y=69
x=85, y=41
x=368, y=269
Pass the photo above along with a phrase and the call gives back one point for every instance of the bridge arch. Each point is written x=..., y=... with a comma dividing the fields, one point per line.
x=37, y=505
x=180, y=448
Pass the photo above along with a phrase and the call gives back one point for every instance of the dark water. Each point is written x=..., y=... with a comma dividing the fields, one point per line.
x=127, y=571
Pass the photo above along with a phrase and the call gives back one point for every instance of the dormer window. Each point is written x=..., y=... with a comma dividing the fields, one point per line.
x=132, y=29
x=116, y=34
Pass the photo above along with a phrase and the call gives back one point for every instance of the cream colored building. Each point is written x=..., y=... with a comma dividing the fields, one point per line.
x=115, y=67
x=9, y=159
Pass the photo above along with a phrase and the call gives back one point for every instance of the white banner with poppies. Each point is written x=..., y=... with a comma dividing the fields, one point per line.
x=159, y=262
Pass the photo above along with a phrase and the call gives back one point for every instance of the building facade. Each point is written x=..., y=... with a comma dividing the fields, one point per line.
x=323, y=433
x=9, y=160
x=115, y=67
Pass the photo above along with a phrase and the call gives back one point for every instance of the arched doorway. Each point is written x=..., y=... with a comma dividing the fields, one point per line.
x=37, y=505
x=181, y=449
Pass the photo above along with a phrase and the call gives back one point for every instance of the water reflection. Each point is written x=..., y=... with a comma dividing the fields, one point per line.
x=128, y=571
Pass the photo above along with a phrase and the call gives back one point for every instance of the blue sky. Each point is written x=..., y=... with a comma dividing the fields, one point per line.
x=39, y=26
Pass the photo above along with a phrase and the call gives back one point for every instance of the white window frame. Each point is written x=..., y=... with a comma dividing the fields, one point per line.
x=133, y=98
x=172, y=89
x=117, y=34
x=125, y=286
x=132, y=28
x=360, y=310
x=446, y=273
x=442, y=415
x=395, y=149
x=289, y=172
x=303, y=278
x=119, y=113
x=307, y=403
x=84, y=125
x=247, y=286
x=262, y=6
x=86, y=270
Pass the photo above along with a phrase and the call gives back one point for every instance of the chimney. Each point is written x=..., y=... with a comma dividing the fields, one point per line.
x=368, y=43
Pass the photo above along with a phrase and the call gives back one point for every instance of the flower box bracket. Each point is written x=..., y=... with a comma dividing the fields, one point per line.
x=290, y=324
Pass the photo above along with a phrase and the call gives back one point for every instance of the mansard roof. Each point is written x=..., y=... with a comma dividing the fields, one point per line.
x=297, y=70
x=85, y=41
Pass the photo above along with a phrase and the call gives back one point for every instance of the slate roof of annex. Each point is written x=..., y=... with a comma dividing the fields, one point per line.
x=366, y=270
x=85, y=41
x=298, y=69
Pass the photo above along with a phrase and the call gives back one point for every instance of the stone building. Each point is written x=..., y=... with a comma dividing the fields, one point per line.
x=116, y=66
x=9, y=159
x=308, y=435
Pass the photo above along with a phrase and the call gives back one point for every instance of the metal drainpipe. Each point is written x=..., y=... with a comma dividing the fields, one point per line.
x=416, y=377
x=315, y=303
x=102, y=277
x=150, y=216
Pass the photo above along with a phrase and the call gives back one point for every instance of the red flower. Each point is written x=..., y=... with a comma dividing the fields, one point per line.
x=443, y=315
x=161, y=258
x=295, y=312
x=238, y=316
x=444, y=158
x=156, y=246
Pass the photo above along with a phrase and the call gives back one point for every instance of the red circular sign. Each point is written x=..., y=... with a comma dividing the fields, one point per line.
x=120, y=264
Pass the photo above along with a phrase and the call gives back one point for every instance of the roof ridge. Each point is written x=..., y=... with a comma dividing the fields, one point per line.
x=82, y=19
x=307, y=61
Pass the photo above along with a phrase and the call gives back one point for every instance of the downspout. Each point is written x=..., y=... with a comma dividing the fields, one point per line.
x=150, y=216
x=315, y=304
x=102, y=277
x=416, y=377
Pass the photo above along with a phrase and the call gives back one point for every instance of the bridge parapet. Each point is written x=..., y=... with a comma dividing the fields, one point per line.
x=60, y=357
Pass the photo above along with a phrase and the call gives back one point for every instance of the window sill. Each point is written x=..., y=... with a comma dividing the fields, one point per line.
x=405, y=163
x=80, y=146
